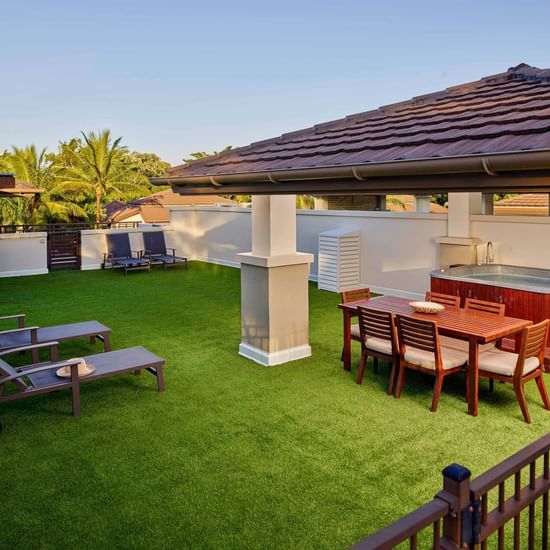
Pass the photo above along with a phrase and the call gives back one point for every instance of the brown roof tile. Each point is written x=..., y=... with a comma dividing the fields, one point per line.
x=507, y=112
x=153, y=208
x=16, y=187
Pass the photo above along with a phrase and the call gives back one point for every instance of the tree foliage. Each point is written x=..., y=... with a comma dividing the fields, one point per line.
x=78, y=179
x=203, y=154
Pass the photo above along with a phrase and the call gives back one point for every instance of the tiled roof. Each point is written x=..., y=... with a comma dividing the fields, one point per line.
x=20, y=188
x=153, y=208
x=503, y=113
x=528, y=200
x=169, y=198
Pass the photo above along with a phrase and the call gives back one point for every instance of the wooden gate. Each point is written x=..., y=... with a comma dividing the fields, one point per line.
x=63, y=247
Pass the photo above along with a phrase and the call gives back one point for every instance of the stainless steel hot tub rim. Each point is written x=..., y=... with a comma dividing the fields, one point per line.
x=530, y=279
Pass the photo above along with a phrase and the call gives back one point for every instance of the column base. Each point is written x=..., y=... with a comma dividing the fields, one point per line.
x=268, y=359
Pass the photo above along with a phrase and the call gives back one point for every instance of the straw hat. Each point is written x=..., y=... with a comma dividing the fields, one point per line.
x=84, y=369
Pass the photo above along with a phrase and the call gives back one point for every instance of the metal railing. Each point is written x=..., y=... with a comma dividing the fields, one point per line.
x=60, y=227
x=460, y=515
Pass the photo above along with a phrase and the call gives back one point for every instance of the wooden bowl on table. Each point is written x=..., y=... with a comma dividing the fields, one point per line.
x=427, y=307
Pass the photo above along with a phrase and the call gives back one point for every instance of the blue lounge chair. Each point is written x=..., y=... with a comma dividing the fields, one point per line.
x=119, y=254
x=156, y=251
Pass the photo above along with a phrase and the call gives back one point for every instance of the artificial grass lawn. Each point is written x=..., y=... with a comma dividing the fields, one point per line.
x=233, y=455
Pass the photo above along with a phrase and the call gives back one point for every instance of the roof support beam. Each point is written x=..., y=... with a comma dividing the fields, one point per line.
x=518, y=182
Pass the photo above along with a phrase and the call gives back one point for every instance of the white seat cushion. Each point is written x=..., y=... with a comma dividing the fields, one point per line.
x=463, y=345
x=504, y=362
x=450, y=357
x=376, y=344
x=379, y=344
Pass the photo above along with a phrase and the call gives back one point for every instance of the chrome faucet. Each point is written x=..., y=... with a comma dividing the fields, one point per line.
x=489, y=256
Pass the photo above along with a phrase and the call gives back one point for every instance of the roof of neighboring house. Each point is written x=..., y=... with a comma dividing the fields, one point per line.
x=503, y=113
x=153, y=208
x=409, y=203
x=10, y=186
x=527, y=199
x=533, y=204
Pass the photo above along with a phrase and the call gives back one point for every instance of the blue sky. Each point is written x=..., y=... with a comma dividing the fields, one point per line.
x=176, y=77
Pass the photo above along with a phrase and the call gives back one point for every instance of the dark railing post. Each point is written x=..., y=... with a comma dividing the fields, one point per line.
x=456, y=492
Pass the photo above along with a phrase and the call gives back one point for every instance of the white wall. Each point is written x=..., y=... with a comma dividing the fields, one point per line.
x=517, y=240
x=94, y=244
x=397, y=249
x=23, y=254
x=211, y=234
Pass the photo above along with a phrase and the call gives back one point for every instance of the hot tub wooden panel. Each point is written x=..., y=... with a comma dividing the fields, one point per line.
x=519, y=303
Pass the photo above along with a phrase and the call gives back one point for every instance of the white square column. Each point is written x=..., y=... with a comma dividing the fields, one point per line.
x=274, y=285
x=458, y=246
x=460, y=207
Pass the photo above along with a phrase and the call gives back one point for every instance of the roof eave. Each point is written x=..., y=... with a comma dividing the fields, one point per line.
x=493, y=170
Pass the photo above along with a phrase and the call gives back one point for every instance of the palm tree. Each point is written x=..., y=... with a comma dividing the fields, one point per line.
x=305, y=202
x=38, y=168
x=97, y=169
x=395, y=201
x=42, y=170
x=13, y=210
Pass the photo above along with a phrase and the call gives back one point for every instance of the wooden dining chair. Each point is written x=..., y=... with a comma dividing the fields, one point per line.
x=378, y=340
x=420, y=350
x=473, y=304
x=444, y=299
x=353, y=296
x=519, y=368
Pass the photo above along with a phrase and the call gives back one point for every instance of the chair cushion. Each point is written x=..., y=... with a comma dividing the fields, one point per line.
x=379, y=344
x=450, y=358
x=376, y=344
x=463, y=345
x=504, y=362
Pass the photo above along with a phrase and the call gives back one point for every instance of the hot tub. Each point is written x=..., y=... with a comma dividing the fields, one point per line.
x=524, y=290
x=529, y=279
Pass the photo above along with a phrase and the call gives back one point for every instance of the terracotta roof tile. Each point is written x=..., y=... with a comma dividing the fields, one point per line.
x=507, y=112
x=153, y=208
x=527, y=199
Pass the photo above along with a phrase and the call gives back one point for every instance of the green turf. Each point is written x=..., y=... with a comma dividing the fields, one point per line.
x=233, y=455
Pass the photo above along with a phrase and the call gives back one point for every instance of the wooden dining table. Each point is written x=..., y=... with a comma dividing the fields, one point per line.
x=474, y=327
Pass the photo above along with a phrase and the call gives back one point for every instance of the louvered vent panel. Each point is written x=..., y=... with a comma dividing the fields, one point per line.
x=338, y=262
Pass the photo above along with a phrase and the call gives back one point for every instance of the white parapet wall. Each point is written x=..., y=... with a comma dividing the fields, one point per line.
x=397, y=248
x=211, y=234
x=23, y=254
x=94, y=245
x=517, y=240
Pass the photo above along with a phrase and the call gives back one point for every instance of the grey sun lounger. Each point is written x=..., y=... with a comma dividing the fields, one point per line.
x=156, y=251
x=42, y=378
x=120, y=254
x=23, y=336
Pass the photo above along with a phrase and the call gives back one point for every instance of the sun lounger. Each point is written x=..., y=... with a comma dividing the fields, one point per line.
x=23, y=335
x=42, y=378
x=156, y=251
x=120, y=254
